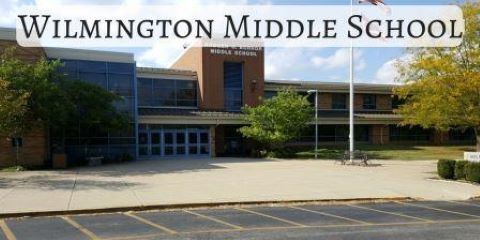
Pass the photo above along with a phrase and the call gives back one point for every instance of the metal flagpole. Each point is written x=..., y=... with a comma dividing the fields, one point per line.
x=351, y=136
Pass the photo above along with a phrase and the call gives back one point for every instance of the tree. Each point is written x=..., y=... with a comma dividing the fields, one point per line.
x=277, y=120
x=441, y=86
x=52, y=100
x=13, y=114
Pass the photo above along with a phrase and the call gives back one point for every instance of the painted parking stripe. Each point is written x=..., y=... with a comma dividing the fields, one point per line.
x=331, y=215
x=143, y=220
x=439, y=209
x=214, y=219
x=81, y=228
x=393, y=213
x=6, y=230
x=272, y=217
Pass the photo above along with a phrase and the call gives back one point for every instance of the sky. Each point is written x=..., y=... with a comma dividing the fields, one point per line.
x=372, y=65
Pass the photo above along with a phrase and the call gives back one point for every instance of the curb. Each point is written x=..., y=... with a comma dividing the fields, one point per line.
x=194, y=205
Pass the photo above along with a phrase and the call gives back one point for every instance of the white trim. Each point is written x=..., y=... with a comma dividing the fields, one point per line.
x=89, y=55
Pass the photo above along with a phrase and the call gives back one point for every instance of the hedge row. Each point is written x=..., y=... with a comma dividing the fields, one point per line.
x=451, y=169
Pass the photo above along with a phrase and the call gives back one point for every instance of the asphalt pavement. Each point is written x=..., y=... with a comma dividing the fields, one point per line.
x=386, y=220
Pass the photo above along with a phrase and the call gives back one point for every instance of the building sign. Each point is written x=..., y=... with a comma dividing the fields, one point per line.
x=239, y=51
x=472, y=156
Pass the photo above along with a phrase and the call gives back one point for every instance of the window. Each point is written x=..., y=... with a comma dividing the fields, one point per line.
x=233, y=83
x=397, y=102
x=409, y=133
x=167, y=92
x=369, y=102
x=121, y=84
x=269, y=94
x=99, y=79
x=123, y=68
x=145, y=96
x=164, y=92
x=186, y=92
x=339, y=101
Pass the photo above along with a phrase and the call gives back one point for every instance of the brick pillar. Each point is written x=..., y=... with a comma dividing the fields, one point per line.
x=379, y=134
x=440, y=137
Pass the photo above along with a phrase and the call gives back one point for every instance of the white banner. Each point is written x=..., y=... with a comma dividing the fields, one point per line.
x=242, y=26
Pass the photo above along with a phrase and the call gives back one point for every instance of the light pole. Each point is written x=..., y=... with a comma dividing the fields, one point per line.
x=316, y=120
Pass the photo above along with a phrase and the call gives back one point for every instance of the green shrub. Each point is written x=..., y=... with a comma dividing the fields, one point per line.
x=460, y=169
x=287, y=152
x=446, y=168
x=472, y=172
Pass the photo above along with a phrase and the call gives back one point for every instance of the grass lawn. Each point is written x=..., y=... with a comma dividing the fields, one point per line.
x=394, y=152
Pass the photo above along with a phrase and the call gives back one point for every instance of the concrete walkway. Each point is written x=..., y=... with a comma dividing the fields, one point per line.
x=180, y=181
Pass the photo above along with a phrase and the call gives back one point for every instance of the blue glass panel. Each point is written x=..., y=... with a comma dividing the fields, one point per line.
x=68, y=66
x=99, y=79
x=92, y=66
x=144, y=91
x=233, y=79
x=121, y=84
x=125, y=68
x=163, y=83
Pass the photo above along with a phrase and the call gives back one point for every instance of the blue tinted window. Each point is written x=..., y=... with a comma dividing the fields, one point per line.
x=121, y=84
x=167, y=92
x=339, y=101
x=233, y=80
x=145, y=91
x=99, y=79
x=124, y=68
x=91, y=66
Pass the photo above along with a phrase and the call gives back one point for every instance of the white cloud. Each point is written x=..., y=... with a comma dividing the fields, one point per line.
x=388, y=72
x=7, y=12
x=160, y=55
x=339, y=59
x=289, y=63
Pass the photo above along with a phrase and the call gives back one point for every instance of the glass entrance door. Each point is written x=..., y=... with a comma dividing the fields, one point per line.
x=174, y=142
x=169, y=142
x=180, y=141
x=155, y=143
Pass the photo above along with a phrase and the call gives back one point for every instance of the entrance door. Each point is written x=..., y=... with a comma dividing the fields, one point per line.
x=156, y=143
x=193, y=142
x=169, y=142
x=180, y=140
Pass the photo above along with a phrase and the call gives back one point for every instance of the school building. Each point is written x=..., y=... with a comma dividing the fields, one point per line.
x=193, y=108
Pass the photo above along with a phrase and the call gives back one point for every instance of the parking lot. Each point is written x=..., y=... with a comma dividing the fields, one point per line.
x=386, y=220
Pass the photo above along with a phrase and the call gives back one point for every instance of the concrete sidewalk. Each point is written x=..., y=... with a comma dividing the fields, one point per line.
x=189, y=181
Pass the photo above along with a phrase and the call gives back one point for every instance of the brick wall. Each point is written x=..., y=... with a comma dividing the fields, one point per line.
x=32, y=153
x=34, y=149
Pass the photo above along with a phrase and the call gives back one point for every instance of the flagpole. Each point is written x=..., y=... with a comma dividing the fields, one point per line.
x=351, y=134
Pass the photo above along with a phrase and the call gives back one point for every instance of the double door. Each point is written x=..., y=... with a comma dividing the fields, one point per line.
x=174, y=142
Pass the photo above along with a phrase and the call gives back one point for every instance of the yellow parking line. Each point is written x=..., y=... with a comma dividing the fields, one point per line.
x=81, y=228
x=393, y=213
x=272, y=217
x=143, y=220
x=297, y=227
x=439, y=209
x=331, y=215
x=6, y=230
x=214, y=219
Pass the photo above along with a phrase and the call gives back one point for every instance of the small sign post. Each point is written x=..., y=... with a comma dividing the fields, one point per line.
x=471, y=156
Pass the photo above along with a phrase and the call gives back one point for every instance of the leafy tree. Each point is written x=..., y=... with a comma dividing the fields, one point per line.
x=13, y=114
x=277, y=120
x=52, y=101
x=442, y=85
